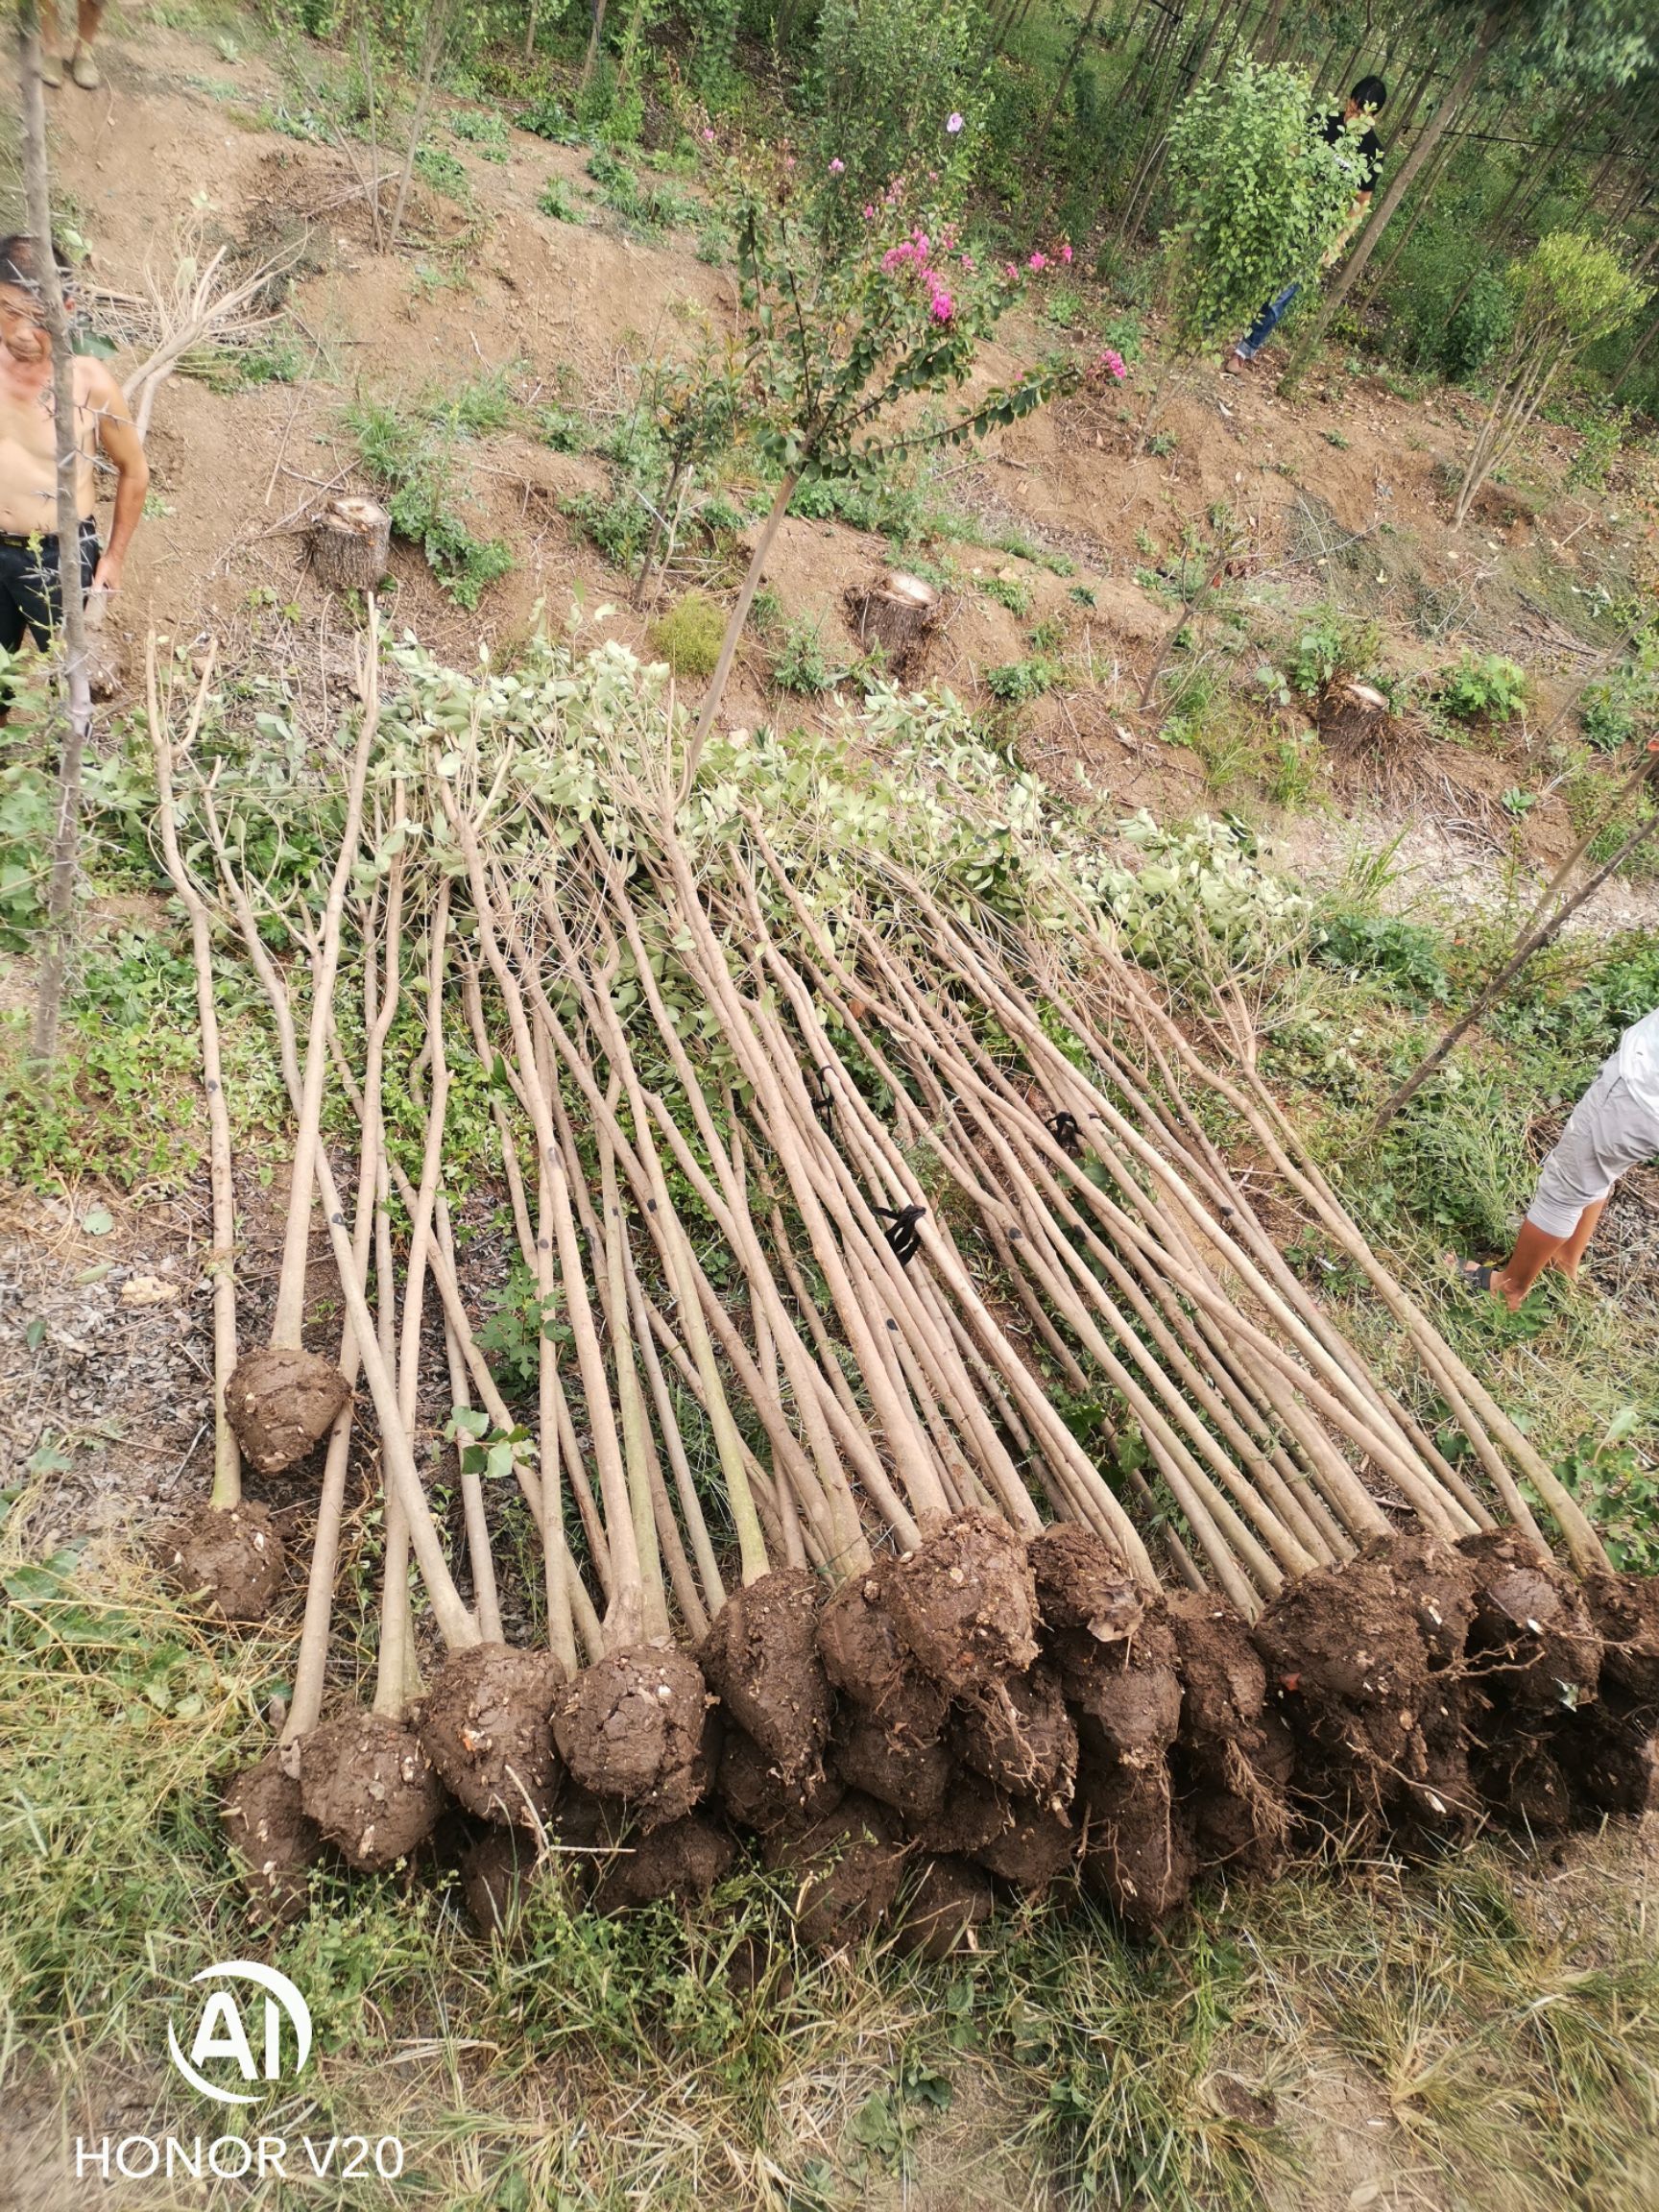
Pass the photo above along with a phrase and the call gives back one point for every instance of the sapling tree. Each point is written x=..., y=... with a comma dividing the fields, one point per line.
x=1257, y=194
x=696, y=407
x=836, y=343
x=1567, y=293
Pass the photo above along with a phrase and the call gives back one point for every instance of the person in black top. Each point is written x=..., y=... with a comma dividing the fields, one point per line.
x=1358, y=151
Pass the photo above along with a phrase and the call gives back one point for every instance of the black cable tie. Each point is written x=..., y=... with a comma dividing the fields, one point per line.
x=1066, y=1133
x=902, y=1241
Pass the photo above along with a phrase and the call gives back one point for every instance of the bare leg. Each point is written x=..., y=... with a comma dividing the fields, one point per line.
x=50, y=46
x=89, y=14
x=1571, y=1253
x=1534, y=1250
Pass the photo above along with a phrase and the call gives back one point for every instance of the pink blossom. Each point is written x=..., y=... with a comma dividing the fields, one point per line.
x=969, y=263
x=1038, y=261
x=953, y=123
x=869, y=214
x=943, y=306
x=1010, y=271
x=1066, y=255
x=836, y=167
x=709, y=137
x=1109, y=363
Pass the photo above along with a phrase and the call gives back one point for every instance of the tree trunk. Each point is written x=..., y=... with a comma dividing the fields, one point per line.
x=1462, y=85
x=1532, y=941
x=66, y=831
x=348, y=542
x=1044, y=127
x=734, y=632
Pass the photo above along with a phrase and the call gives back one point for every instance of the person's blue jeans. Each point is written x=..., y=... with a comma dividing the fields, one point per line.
x=1266, y=323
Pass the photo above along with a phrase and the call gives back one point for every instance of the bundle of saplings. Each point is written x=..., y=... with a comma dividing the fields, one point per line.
x=939, y=1474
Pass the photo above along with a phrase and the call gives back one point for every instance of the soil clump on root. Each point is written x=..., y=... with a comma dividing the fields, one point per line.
x=281, y=1401
x=275, y=1841
x=1138, y=1851
x=943, y=1905
x=682, y=1860
x=232, y=1556
x=1083, y=1583
x=756, y=1793
x=633, y=1726
x=1625, y=1609
x=965, y=1603
x=912, y=1778
x=848, y=1866
x=762, y=1659
x=486, y=1727
x=1533, y=1650
x=370, y=1788
x=495, y=1872
x=1125, y=1695
x=866, y=1661
x=1018, y=1734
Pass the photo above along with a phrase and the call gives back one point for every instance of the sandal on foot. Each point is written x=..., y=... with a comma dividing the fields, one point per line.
x=1474, y=1275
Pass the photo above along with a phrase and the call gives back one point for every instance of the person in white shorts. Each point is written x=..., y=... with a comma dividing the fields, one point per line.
x=1613, y=1127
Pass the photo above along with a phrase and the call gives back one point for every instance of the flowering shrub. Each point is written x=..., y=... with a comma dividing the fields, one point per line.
x=839, y=336
x=902, y=85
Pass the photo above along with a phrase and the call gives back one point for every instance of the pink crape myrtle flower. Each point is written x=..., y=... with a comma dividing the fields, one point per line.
x=1038, y=261
x=869, y=214
x=838, y=167
x=1066, y=254
x=707, y=137
x=943, y=306
x=1109, y=362
x=952, y=124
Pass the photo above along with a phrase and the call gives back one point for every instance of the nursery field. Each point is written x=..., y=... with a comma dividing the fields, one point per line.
x=739, y=1434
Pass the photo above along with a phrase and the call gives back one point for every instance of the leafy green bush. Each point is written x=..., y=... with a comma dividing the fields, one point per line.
x=1010, y=591
x=1200, y=903
x=1403, y=955
x=548, y=117
x=557, y=200
x=437, y=166
x=482, y=128
x=1484, y=689
x=687, y=636
x=413, y=465
x=1480, y=326
x=1016, y=682
x=800, y=665
x=1256, y=194
x=890, y=76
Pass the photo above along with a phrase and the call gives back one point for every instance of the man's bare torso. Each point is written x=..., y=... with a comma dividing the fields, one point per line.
x=28, y=447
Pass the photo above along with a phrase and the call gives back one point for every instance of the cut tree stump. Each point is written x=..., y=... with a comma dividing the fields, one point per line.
x=897, y=612
x=1353, y=714
x=350, y=541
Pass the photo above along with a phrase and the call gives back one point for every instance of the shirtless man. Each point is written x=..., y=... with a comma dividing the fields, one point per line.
x=29, y=602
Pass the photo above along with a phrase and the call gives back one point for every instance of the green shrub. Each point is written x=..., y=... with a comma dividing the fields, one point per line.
x=436, y=166
x=482, y=128
x=889, y=74
x=413, y=465
x=549, y=118
x=557, y=200
x=1010, y=591
x=687, y=636
x=1016, y=682
x=1484, y=689
x=800, y=665
x=1402, y=954
x=1481, y=326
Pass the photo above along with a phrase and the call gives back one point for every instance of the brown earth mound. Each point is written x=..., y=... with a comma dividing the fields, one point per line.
x=682, y=1860
x=1126, y=1694
x=1137, y=1853
x=280, y=1402
x=974, y=1814
x=848, y=1868
x=1083, y=1583
x=865, y=1659
x=370, y=1786
x=965, y=1603
x=942, y=1907
x=1523, y=1783
x=1439, y=1580
x=1532, y=1647
x=912, y=1778
x=276, y=1842
x=484, y=1725
x=760, y=1657
x=1018, y=1734
x=755, y=1793
x=1034, y=1850
x=633, y=1726
x=495, y=1872
x=232, y=1556
x=1626, y=1609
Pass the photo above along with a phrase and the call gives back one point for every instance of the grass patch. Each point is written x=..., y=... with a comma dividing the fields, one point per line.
x=687, y=636
x=414, y=464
